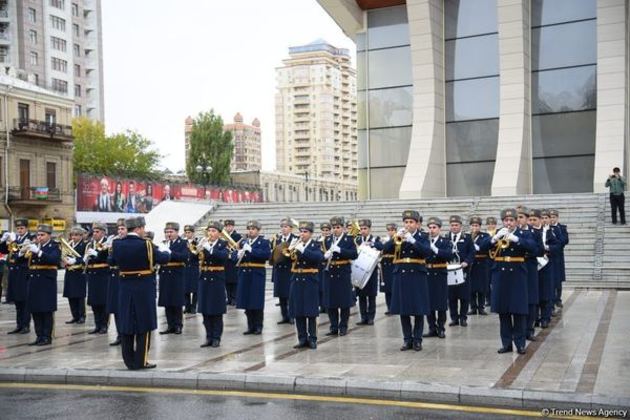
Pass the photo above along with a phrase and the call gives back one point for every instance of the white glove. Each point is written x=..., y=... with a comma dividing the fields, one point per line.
x=409, y=238
x=240, y=253
x=513, y=238
x=5, y=236
x=247, y=247
x=385, y=239
x=33, y=248
x=12, y=236
x=207, y=247
x=164, y=248
x=335, y=249
x=401, y=232
x=71, y=260
x=500, y=234
x=327, y=254
x=546, y=247
x=434, y=248
x=92, y=252
x=477, y=248
x=300, y=247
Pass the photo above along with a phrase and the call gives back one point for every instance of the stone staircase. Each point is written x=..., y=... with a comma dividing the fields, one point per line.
x=598, y=254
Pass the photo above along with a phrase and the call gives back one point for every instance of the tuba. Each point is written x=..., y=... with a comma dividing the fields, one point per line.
x=67, y=250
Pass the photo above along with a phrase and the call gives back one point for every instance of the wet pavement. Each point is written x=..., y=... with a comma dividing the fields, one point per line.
x=584, y=352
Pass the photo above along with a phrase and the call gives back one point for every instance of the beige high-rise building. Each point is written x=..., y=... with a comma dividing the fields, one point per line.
x=56, y=44
x=316, y=113
x=247, y=144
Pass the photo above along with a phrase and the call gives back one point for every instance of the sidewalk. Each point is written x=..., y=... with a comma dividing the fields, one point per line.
x=582, y=361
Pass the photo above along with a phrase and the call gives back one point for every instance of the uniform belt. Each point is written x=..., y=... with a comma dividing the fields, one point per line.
x=409, y=261
x=212, y=268
x=340, y=262
x=135, y=273
x=510, y=259
x=481, y=256
x=74, y=267
x=387, y=256
x=305, y=270
x=444, y=265
x=252, y=265
x=100, y=265
x=42, y=267
x=114, y=267
x=174, y=264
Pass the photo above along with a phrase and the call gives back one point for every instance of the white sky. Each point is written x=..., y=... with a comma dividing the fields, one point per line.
x=166, y=60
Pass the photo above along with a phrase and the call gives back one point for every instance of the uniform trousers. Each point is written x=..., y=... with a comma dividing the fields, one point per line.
x=43, y=325
x=255, y=319
x=214, y=326
x=135, y=349
x=22, y=315
x=77, y=308
x=512, y=329
x=388, y=300
x=458, y=308
x=477, y=301
x=100, y=317
x=174, y=316
x=306, y=329
x=190, y=300
x=230, y=291
x=284, y=308
x=436, y=323
x=531, y=319
x=367, y=307
x=339, y=319
x=412, y=333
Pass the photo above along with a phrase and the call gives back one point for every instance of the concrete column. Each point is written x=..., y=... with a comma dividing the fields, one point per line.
x=611, y=138
x=425, y=174
x=513, y=167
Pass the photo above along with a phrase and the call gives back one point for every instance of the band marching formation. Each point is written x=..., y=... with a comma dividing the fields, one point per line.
x=518, y=269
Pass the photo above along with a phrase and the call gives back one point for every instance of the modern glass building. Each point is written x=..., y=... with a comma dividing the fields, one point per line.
x=488, y=97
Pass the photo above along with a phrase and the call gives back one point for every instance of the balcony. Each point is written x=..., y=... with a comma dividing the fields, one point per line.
x=41, y=130
x=34, y=196
x=5, y=38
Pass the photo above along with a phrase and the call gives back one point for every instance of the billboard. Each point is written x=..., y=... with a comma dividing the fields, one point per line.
x=105, y=194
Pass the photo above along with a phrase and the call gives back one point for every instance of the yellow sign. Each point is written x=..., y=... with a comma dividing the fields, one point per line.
x=32, y=224
x=59, y=224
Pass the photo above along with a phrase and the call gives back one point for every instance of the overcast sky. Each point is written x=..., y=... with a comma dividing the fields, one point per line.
x=166, y=60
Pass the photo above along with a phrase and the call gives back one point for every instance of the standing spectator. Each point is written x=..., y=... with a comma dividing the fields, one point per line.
x=617, y=185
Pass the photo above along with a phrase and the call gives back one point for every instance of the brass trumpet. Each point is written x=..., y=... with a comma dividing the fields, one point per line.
x=289, y=251
x=232, y=244
x=501, y=244
x=67, y=250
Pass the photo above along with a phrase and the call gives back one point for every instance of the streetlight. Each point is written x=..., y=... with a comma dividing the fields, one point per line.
x=204, y=171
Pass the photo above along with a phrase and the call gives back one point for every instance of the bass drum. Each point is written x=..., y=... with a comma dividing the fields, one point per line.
x=455, y=275
x=364, y=265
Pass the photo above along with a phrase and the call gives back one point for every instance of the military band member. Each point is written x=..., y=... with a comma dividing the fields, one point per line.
x=459, y=295
x=479, y=270
x=531, y=262
x=546, y=275
x=191, y=272
x=410, y=291
x=367, y=295
x=74, y=282
x=172, y=278
x=509, y=280
x=253, y=254
x=136, y=258
x=17, y=283
x=281, y=272
x=436, y=263
x=113, y=289
x=562, y=234
x=231, y=272
x=491, y=229
x=340, y=250
x=43, y=260
x=98, y=274
x=304, y=294
x=212, y=296
x=387, y=265
x=326, y=231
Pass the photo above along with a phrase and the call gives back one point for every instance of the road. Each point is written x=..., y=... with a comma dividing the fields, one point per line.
x=49, y=402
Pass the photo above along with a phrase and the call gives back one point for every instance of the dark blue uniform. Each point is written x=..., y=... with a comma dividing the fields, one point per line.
x=338, y=296
x=387, y=272
x=250, y=293
x=17, y=285
x=113, y=291
x=562, y=234
x=304, y=293
x=320, y=278
x=479, y=275
x=42, y=289
x=231, y=273
x=438, y=285
x=98, y=275
x=172, y=285
x=509, y=288
x=531, y=260
x=191, y=278
x=211, y=289
x=546, y=276
x=136, y=258
x=75, y=285
x=281, y=276
x=410, y=290
x=459, y=295
x=367, y=295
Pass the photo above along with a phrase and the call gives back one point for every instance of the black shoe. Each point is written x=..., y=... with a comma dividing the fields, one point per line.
x=167, y=331
x=441, y=334
x=464, y=323
x=150, y=366
x=312, y=345
x=72, y=321
x=193, y=311
x=45, y=342
x=559, y=305
x=15, y=331
x=36, y=342
x=483, y=312
x=178, y=330
x=342, y=333
x=370, y=322
x=284, y=321
x=257, y=332
x=554, y=314
x=102, y=331
x=504, y=350
x=330, y=333
x=116, y=342
x=94, y=331
x=472, y=312
x=406, y=346
x=248, y=332
x=521, y=350
x=206, y=344
x=431, y=333
x=300, y=345
x=544, y=324
x=387, y=313
x=417, y=346
x=453, y=323
x=81, y=321
x=537, y=324
x=25, y=330
x=362, y=322
x=215, y=343
x=531, y=338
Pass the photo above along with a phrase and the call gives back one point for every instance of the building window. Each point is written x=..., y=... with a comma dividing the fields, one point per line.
x=51, y=175
x=59, y=65
x=75, y=30
x=32, y=15
x=34, y=58
x=32, y=34
x=75, y=10
x=77, y=111
x=58, y=43
x=77, y=70
x=23, y=113
x=59, y=4
x=77, y=50
x=58, y=23
x=25, y=176
x=50, y=116
x=60, y=85
x=77, y=91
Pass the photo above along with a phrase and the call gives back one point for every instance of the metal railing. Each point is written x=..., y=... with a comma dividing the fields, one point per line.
x=42, y=127
x=34, y=194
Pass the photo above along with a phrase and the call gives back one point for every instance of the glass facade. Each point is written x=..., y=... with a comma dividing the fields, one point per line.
x=385, y=102
x=472, y=95
x=564, y=94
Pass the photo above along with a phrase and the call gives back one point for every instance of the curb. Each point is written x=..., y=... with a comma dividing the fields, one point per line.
x=341, y=387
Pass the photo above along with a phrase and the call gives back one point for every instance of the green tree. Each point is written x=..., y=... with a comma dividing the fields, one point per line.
x=210, y=149
x=126, y=154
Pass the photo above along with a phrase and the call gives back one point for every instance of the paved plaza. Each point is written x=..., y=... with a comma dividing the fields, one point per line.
x=582, y=359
